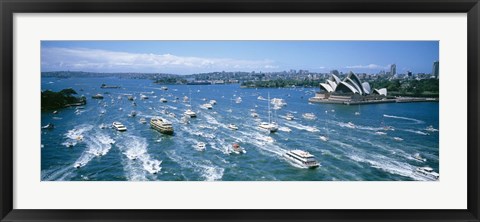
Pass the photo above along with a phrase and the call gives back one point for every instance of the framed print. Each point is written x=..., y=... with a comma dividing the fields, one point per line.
x=264, y=110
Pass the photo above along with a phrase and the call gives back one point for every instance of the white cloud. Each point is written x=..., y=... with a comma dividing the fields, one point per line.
x=84, y=59
x=369, y=66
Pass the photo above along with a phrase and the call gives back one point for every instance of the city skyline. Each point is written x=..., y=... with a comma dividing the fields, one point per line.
x=189, y=57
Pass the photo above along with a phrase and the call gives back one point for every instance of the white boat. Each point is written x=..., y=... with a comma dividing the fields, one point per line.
x=55, y=112
x=237, y=149
x=190, y=113
x=119, y=126
x=272, y=127
x=309, y=116
x=380, y=133
x=152, y=167
x=132, y=114
x=431, y=129
x=254, y=115
x=357, y=113
x=397, y=138
x=278, y=102
x=324, y=138
x=130, y=98
x=302, y=158
x=164, y=88
x=213, y=102
x=143, y=97
x=185, y=99
x=289, y=116
x=163, y=100
x=428, y=172
x=238, y=100
x=185, y=119
x=143, y=121
x=48, y=126
x=103, y=126
x=351, y=125
x=97, y=96
x=161, y=125
x=78, y=165
x=201, y=146
x=232, y=126
x=172, y=115
x=418, y=157
x=260, y=98
x=207, y=106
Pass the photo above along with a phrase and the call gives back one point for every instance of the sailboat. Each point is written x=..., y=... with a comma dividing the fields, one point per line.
x=270, y=126
x=358, y=112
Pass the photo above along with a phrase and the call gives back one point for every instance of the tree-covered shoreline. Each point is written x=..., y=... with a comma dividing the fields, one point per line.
x=55, y=100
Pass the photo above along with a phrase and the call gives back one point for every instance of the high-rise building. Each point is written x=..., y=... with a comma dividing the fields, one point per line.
x=393, y=69
x=435, y=69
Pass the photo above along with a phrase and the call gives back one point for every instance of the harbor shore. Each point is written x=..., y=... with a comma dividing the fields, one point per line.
x=385, y=100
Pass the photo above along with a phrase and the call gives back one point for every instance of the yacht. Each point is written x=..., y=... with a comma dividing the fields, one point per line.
x=97, y=96
x=289, y=116
x=163, y=100
x=190, y=113
x=237, y=149
x=302, y=157
x=161, y=125
x=428, y=172
x=119, y=126
x=310, y=116
x=232, y=126
x=272, y=127
x=207, y=106
x=143, y=120
x=201, y=146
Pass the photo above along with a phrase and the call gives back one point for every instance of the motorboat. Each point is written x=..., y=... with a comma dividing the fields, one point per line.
x=357, y=113
x=97, y=96
x=143, y=120
x=428, y=172
x=103, y=126
x=254, y=115
x=237, y=149
x=207, y=106
x=351, y=125
x=185, y=99
x=238, y=100
x=163, y=100
x=190, y=113
x=161, y=125
x=302, y=158
x=55, y=112
x=213, y=102
x=278, y=102
x=397, y=138
x=324, y=138
x=132, y=114
x=119, y=126
x=380, y=133
x=201, y=146
x=309, y=116
x=48, y=126
x=431, y=129
x=289, y=116
x=418, y=157
x=78, y=165
x=143, y=97
x=130, y=98
x=164, y=88
x=232, y=126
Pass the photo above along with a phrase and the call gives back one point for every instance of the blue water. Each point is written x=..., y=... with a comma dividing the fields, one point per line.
x=350, y=154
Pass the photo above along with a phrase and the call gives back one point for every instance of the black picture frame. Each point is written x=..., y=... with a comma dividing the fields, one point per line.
x=9, y=7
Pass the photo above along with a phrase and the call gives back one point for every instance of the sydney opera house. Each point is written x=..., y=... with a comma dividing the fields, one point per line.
x=347, y=91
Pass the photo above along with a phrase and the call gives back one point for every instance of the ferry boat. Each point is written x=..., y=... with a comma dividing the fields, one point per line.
x=161, y=125
x=302, y=158
x=163, y=100
x=97, y=96
x=190, y=113
x=232, y=126
x=428, y=172
x=237, y=149
x=310, y=116
x=119, y=126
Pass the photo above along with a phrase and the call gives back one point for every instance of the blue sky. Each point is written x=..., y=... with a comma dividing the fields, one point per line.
x=187, y=57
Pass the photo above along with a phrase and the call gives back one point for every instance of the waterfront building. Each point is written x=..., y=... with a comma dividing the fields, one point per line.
x=348, y=90
x=435, y=69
